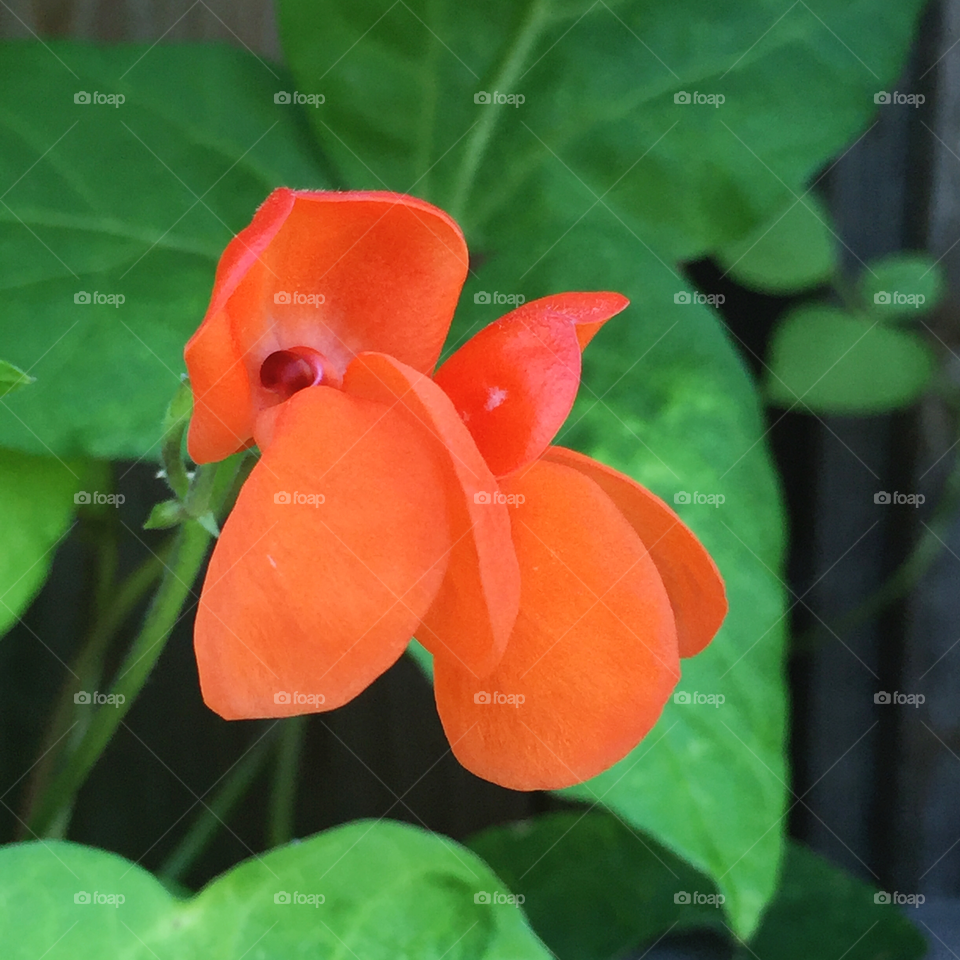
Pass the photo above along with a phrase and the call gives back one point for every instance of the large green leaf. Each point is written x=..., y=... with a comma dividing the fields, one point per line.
x=134, y=201
x=388, y=891
x=602, y=177
x=600, y=84
x=37, y=504
x=595, y=889
x=665, y=399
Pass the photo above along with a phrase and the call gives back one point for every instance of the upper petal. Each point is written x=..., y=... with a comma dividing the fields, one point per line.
x=475, y=609
x=384, y=272
x=692, y=579
x=332, y=555
x=593, y=654
x=515, y=381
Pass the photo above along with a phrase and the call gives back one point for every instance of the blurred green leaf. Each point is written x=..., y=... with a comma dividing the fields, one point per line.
x=389, y=891
x=828, y=361
x=193, y=150
x=595, y=889
x=903, y=286
x=37, y=505
x=796, y=249
x=13, y=378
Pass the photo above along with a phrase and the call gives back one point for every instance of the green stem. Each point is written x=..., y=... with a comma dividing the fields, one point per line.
x=506, y=76
x=188, y=552
x=86, y=672
x=283, y=800
x=238, y=780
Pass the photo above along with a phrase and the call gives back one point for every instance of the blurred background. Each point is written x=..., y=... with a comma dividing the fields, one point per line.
x=874, y=593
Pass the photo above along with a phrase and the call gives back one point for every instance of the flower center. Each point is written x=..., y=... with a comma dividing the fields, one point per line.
x=286, y=372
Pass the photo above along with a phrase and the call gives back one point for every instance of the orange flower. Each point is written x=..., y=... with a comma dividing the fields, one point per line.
x=555, y=593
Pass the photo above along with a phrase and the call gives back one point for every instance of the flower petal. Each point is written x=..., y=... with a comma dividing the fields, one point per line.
x=515, y=381
x=476, y=608
x=319, y=598
x=384, y=272
x=692, y=579
x=593, y=654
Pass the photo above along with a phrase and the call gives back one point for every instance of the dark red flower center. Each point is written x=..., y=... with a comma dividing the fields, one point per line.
x=286, y=372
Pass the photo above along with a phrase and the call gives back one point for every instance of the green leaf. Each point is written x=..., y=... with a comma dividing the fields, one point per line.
x=596, y=889
x=825, y=360
x=600, y=85
x=389, y=890
x=164, y=515
x=37, y=505
x=902, y=286
x=796, y=249
x=135, y=201
x=13, y=378
x=665, y=399
x=821, y=911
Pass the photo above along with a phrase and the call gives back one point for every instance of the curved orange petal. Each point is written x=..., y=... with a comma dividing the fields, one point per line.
x=593, y=654
x=319, y=598
x=476, y=608
x=515, y=381
x=372, y=271
x=692, y=579
x=587, y=311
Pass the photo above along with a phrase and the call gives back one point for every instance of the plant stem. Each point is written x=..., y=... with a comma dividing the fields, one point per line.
x=283, y=799
x=238, y=779
x=187, y=555
x=86, y=672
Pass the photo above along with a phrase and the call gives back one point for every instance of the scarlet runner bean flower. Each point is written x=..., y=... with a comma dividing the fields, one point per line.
x=556, y=594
